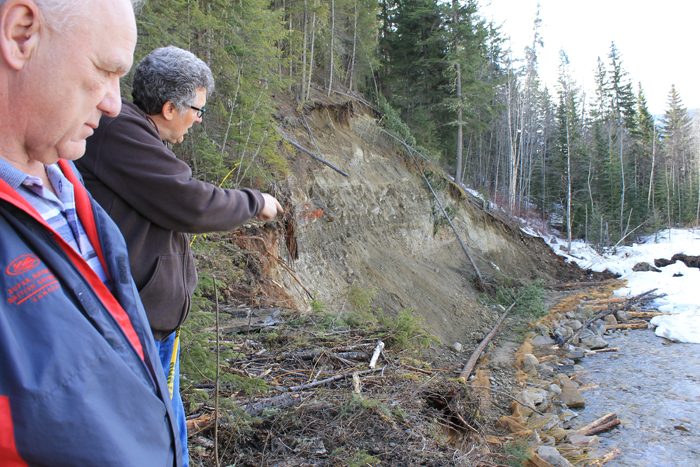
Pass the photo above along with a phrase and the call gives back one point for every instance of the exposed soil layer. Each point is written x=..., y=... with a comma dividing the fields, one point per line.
x=381, y=228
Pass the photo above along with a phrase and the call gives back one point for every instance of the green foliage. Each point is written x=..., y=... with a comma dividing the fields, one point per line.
x=238, y=40
x=406, y=331
x=439, y=220
x=317, y=305
x=360, y=299
x=517, y=452
x=530, y=299
x=362, y=459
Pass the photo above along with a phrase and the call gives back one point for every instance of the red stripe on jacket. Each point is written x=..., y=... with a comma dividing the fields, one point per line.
x=85, y=214
x=9, y=457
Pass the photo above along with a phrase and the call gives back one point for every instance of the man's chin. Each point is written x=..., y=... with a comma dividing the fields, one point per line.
x=72, y=150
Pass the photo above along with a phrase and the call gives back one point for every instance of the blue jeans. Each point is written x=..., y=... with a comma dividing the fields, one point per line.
x=165, y=351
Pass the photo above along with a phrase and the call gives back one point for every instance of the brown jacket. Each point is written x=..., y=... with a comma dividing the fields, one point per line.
x=154, y=200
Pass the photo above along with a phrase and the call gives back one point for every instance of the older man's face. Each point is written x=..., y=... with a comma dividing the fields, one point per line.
x=75, y=79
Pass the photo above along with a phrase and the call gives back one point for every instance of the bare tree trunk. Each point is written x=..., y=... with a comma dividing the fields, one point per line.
x=289, y=52
x=330, y=81
x=311, y=55
x=568, y=187
x=303, y=57
x=622, y=173
x=650, y=198
x=513, y=136
x=352, y=59
x=460, y=143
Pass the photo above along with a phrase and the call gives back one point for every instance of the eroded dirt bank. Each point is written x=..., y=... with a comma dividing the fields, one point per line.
x=376, y=229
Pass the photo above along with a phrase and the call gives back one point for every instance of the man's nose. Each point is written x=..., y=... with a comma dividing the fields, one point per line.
x=111, y=103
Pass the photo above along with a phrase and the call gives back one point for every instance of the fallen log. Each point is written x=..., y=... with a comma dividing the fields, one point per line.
x=576, y=285
x=606, y=458
x=197, y=424
x=642, y=325
x=646, y=314
x=471, y=363
x=536, y=461
x=598, y=426
x=610, y=310
x=377, y=352
x=609, y=349
x=326, y=381
x=283, y=400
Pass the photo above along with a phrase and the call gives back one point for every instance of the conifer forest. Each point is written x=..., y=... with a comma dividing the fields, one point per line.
x=599, y=166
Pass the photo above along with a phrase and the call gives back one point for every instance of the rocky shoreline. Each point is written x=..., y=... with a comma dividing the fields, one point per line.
x=549, y=373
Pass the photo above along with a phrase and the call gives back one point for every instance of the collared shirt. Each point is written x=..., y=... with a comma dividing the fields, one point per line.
x=57, y=210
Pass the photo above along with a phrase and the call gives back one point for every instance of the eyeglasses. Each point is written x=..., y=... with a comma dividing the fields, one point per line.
x=200, y=112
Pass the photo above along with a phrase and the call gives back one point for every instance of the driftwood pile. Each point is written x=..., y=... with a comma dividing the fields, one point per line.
x=548, y=370
x=300, y=395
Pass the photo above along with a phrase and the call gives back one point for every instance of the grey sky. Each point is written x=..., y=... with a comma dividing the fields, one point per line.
x=657, y=41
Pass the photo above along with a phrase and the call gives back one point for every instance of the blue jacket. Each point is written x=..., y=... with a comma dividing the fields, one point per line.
x=80, y=379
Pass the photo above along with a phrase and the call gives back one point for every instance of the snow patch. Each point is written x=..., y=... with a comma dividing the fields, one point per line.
x=680, y=283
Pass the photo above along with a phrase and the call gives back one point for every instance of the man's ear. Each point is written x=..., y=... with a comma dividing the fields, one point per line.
x=168, y=111
x=20, y=23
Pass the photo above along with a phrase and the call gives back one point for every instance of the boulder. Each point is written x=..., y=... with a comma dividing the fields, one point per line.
x=531, y=397
x=570, y=394
x=542, y=340
x=583, y=441
x=594, y=342
x=530, y=360
x=551, y=455
x=622, y=316
x=543, y=422
x=645, y=267
x=610, y=320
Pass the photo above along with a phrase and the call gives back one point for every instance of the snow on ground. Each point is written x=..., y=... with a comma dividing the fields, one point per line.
x=680, y=283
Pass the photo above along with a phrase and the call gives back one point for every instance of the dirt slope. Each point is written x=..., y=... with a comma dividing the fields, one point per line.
x=374, y=229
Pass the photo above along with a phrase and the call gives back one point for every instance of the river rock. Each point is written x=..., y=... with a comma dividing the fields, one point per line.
x=575, y=324
x=585, y=333
x=544, y=422
x=564, y=331
x=594, y=342
x=576, y=354
x=530, y=360
x=542, y=340
x=570, y=394
x=583, y=441
x=531, y=397
x=545, y=370
x=551, y=455
x=622, y=316
x=457, y=347
x=644, y=267
x=610, y=320
x=554, y=389
x=558, y=433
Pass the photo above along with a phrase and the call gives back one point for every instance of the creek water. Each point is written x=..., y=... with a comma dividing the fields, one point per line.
x=654, y=387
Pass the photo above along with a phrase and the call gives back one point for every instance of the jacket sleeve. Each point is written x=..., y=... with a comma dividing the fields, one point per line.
x=132, y=161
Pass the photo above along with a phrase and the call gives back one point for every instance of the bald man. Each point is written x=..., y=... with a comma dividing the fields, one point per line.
x=80, y=379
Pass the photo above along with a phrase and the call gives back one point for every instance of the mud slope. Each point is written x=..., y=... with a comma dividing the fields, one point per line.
x=374, y=229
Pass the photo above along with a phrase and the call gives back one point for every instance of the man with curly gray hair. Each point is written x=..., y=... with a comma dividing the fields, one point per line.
x=151, y=195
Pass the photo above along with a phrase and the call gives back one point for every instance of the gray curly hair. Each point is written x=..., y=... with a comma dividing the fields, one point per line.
x=62, y=14
x=169, y=74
